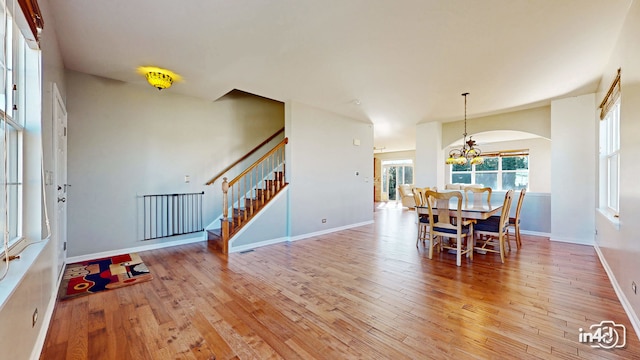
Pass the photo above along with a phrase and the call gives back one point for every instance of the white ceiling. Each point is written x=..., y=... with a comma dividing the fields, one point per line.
x=395, y=63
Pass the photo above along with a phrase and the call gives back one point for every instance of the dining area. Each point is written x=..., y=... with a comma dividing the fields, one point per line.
x=463, y=220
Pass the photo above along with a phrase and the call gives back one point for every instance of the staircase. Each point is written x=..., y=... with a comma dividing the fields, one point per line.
x=247, y=194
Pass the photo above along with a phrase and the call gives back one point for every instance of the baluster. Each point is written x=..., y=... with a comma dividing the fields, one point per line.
x=245, y=198
x=264, y=189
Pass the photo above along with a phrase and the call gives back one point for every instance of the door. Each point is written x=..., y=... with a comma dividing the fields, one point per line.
x=60, y=183
x=394, y=174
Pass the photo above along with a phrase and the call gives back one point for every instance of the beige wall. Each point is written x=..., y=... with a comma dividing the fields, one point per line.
x=535, y=121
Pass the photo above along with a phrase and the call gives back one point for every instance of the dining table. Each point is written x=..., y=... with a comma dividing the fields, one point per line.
x=469, y=210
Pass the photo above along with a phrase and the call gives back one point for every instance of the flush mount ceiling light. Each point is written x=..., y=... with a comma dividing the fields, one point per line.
x=159, y=78
x=469, y=152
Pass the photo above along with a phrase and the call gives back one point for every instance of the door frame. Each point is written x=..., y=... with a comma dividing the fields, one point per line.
x=59, y=112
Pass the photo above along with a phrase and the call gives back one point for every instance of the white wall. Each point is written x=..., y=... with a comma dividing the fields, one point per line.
x=620, y=245
x=128, y=140
x=322, y=162
x=429, y=155
x=269, y=226
x=573, y=170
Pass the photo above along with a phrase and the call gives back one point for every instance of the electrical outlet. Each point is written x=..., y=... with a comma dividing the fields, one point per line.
x=324, y=221
x=34, y=317
x=634, y=287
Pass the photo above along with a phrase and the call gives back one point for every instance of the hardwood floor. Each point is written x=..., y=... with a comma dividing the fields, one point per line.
x=363, y=293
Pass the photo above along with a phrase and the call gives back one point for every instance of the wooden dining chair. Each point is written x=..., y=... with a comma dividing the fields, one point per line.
x=422, y=214
x=442, y=227
x=477, y=195
x=494, y=232
x=515, y=221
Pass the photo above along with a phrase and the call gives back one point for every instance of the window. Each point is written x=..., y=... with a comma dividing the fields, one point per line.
x=610, y=158
x=18, y=83
x=500, y=171
x=609, y=166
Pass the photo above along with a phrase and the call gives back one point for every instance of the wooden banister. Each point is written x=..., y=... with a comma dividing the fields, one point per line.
x=244, y=157
x=259, y=161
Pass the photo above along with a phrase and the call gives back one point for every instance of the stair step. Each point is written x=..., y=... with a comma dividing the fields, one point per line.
x=214, y=234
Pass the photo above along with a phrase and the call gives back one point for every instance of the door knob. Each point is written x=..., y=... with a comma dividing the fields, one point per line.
x=62, y=199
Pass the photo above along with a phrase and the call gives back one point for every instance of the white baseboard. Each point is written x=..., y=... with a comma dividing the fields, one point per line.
x=251, y=246
x=104, y=254
x=577, y=241
x=328, y=231
x=534, y=233
x=633, y=317
x=295, y=238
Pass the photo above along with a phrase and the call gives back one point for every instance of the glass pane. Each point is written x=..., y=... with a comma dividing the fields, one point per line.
x=515, y=163
x=490, y=163
x=392, y=183
x=399, y=175
x=488, y=179
x=615, y=128
x=613, y=181
x=408, y=174
x=465, y=167
x=515, y=180
x=385, y=179
x=464, y=178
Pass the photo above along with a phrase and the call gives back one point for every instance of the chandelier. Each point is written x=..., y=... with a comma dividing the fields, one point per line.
x=469, y=152
x=157, y=77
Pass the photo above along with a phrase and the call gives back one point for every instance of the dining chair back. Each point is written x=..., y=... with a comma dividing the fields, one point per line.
x=442, y=225
x=494, y=232
x=477, y=196
x=422, y=214
x=515, y=221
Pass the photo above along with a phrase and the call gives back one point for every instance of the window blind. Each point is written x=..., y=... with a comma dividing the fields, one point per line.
x=612, y=96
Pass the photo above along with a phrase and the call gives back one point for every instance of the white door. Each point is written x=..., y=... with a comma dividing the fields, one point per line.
x=60, y=183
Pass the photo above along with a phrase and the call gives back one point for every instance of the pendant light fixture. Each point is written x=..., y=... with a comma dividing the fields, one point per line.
x=469, y=152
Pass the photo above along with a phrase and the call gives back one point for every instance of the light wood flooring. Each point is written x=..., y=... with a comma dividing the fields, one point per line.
x=363, y=293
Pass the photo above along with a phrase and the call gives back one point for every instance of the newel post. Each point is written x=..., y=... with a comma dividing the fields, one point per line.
x=225, y=198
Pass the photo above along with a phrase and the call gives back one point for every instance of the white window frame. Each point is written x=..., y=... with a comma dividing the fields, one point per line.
x=400, y=163
x=610, y=161
x=499, y=172
x=13, y=109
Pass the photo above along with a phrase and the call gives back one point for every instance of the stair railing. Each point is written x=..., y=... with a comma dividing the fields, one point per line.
x=252, y=189
x=244, y=157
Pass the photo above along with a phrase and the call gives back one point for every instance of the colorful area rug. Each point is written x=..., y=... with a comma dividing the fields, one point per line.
x=92, y=276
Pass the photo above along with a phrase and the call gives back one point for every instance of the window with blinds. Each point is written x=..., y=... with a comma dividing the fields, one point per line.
x=610, y=149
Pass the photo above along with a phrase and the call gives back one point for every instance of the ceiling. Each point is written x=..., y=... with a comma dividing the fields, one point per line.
x=394, y=63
